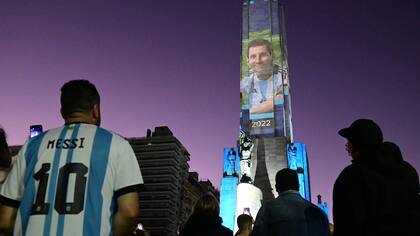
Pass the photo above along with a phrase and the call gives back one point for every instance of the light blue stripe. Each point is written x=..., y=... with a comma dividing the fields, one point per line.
x=245, y=106
x=60, y=226
x=53, y=184
x=261, y=116
x=98, y=163
x=31, y=158
x=278, y=101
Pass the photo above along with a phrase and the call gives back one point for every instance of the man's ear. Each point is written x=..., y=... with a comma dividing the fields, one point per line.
x=95, y=111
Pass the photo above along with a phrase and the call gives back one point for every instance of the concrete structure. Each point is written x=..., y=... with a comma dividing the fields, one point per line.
x=163, y=161
x=170, y=190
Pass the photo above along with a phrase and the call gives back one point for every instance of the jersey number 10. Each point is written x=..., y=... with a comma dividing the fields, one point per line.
x=40, y=207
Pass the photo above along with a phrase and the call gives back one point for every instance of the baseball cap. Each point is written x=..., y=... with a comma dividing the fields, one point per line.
x=362, y=131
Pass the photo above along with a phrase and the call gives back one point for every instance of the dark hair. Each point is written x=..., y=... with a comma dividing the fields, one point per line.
x=261, y=42
x=207, y=204
x=5, y=159
x=286, y=179
x=78, y=96
x=244, y=221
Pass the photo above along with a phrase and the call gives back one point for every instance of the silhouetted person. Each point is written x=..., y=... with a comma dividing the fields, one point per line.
x=77, y=179
x=378, y=193
x=244, y=222
x=205, y=220
x=290, y=214
x=5, y=157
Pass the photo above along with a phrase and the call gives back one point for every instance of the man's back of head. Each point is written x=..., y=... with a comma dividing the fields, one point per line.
x=244, y=222
x=105, y=176
x=286, y=179
x=80, y=101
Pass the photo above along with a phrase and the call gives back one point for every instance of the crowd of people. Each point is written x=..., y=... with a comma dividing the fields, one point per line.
x=377, y=194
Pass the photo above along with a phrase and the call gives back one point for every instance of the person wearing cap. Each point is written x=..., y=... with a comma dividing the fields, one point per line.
x=290, y=214
x=378, y=194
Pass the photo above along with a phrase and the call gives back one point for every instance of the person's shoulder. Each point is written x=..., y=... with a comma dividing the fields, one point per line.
x=350, y=170
x=115, y=136
x=314, y=211
x=409, y=168
x=225, y=231
x=245, y=79
x=351, y=173
x=411, y=175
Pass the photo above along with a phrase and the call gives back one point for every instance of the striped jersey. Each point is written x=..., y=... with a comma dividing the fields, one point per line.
x=66, y=181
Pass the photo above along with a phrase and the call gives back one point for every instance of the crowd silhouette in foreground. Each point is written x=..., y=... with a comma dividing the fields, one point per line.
x=377, y=194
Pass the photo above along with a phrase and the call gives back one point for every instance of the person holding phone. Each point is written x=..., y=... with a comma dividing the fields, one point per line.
x=77, y=178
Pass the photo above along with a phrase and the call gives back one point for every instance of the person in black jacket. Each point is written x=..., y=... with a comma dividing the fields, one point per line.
x=205, y=220
x=378, y=194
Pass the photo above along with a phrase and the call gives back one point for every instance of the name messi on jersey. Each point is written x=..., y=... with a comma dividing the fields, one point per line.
x=66, y=143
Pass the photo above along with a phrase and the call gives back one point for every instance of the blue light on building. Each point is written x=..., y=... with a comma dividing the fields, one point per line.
x=297, y=160
x=323, y=206
x=229, y=186
x=228, y=200
x=230, y=162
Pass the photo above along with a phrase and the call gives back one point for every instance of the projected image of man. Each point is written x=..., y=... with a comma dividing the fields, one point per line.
x=264, y=84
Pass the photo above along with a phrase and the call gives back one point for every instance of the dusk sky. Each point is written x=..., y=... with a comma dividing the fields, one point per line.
x=176, y=63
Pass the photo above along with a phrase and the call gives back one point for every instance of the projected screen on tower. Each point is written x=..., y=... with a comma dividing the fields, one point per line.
x=262, y=72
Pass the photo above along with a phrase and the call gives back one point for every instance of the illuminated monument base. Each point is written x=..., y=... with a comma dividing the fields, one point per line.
x=248, y=200
x=268, y=156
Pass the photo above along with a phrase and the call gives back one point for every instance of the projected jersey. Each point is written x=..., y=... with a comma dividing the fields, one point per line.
x=66, y=181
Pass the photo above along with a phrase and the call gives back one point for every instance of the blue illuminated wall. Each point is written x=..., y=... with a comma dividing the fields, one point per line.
x=228, y=200
x=323, y=206
x=231, y=162
x=297, y=160
x=228, y=187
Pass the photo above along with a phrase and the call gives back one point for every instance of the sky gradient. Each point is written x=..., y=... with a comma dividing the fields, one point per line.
x=176, y=63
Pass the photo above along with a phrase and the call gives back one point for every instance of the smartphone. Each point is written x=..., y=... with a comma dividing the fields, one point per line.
x=247, y=211
x=35, y=130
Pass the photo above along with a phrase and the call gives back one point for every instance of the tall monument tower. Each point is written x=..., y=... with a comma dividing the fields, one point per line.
x=266, y=142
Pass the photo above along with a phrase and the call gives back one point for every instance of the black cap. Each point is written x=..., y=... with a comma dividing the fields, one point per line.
x=363, y=131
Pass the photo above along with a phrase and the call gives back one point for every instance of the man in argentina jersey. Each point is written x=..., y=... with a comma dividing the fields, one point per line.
x=265, y=80
x=77, y=179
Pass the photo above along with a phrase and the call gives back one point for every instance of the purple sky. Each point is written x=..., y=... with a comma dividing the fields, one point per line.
x=176, y=63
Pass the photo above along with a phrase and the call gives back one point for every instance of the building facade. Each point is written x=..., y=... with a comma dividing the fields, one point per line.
x=170, y=190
